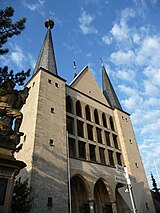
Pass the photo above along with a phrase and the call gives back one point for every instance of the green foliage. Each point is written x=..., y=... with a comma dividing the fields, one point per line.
x=155, y=189
x=21, y=200
x=17, y=78
x=8, y=28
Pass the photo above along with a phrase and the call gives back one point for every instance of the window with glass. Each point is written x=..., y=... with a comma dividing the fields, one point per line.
x=104, y=120
x=69, y=104
x=78, y=109
x=107, y=136
x=72, y=147
x=82, y=149
x=102, y=155
x=115, y=141
x=80, y=128
x=111, y=123
x=88, y=113
x=99, y=135
x=70, y=125
x=96, y=117
x=111, y=159
x=92, y=152
x=90, y=132
x=119, y=161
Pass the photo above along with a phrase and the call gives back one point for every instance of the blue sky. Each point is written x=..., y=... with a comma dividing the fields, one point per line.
x=126, y=34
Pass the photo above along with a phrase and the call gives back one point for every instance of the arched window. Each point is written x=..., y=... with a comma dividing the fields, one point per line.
x=88, y=113
x=78, y=109
x=69, y=104
x=96, y=116
x=111, y=123
x=104, y=120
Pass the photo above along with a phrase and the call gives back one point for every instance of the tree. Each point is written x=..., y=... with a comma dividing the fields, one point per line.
x=22, y=199
x=155, y=189
x=8, y=28
x=17, y=78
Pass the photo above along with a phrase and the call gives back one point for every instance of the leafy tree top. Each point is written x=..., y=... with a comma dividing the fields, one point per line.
x=8, y=28
x=155, y=189
x=17, y=79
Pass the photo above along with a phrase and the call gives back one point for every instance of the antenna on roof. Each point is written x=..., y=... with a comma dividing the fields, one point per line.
x=75, y=74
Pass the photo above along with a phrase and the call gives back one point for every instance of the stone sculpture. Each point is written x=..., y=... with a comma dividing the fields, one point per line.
x=11, y=102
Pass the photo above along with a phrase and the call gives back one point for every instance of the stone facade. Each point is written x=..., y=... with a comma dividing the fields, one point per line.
x=74, y=140
x=45, y=145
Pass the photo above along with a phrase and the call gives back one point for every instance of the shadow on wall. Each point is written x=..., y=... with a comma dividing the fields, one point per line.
x=49, y=181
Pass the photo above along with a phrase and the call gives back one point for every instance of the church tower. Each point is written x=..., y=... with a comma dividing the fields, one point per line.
x=44, y=142
x=76, y=136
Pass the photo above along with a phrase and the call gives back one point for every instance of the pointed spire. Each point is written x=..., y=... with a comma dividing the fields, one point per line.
x=46, y=57
x=108, y=90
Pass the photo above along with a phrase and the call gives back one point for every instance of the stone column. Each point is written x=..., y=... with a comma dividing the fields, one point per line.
x=9, y=168
x=91, y=206
x=114, y=208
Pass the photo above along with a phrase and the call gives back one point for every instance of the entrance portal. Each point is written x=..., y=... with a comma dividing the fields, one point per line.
x=101, y=198
x=79, y=195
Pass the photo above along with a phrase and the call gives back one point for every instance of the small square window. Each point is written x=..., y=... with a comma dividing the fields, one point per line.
x=57, y=85
x=52, y=110
x=51, y=142
x=24, y=139
x=137, y=166
x=33, y=84
x=49, y=202
x=49, y=81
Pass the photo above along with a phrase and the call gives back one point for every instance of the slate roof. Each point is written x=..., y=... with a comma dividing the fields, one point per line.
x=46, y=57
x=108, y=91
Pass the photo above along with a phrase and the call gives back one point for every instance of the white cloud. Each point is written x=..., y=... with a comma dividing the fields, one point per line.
x=132, y=102
x=17, y=56
x=151, y=127
x=127, y=90
x=37, y=6
x=153, y=74
x=150, y=150
x=150, y=89
x=123, y=57
x=107, y=40
x=149, y=51
x=126, y=75
x=85, y=21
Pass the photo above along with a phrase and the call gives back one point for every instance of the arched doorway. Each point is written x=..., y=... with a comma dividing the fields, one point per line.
x=120, y=203
x=102, y=202
x=79, y=195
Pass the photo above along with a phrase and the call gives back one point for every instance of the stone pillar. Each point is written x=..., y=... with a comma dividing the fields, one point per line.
x=9, y=168
x=114, y=208
x=91, y=206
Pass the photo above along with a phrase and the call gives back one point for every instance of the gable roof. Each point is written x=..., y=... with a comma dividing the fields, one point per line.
x=85, y=83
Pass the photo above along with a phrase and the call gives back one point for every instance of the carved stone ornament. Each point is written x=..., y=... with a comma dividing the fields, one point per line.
x=11, y=102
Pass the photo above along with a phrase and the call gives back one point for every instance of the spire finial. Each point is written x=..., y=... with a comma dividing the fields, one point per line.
x=102, y=61
x=49, y=23
x=74, y=63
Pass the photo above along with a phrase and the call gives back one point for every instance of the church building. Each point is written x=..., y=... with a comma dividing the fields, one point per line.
x=77, y=140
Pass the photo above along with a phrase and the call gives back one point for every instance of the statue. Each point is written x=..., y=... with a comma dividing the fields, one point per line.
x=11, y=102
